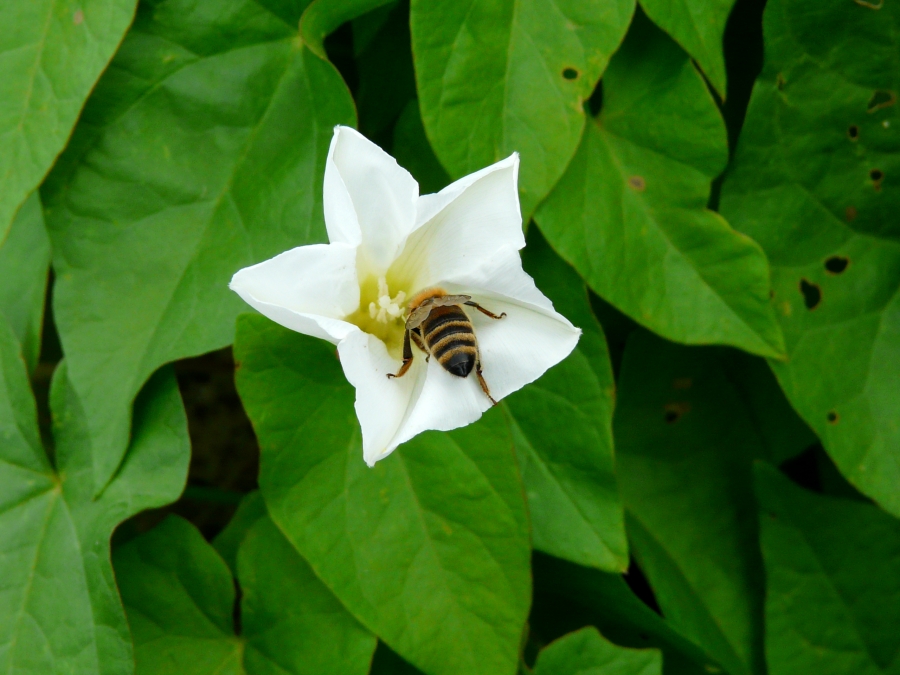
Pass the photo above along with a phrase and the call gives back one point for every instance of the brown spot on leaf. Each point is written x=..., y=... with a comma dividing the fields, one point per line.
x=682, y=383
x=637, y=183
x=779, y=81
x=832, y=417
x=570, y=73
x=882, y=98
x=836, y=264
x=870, y=5
x=853, y=132
x=876, y=175
x=812, y=294
x=674, y=411
x=851, y=213
x=78, y=17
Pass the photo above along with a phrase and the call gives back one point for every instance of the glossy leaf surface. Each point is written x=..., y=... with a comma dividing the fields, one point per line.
x=587, y=653
x=833, y=582
x=429, y=549
x=24, y=266
x=51, y=54
x=59, y=607
x=815, y=182
x=202, y=151
x=491, y=73
x=562, y=429
x=630, y=213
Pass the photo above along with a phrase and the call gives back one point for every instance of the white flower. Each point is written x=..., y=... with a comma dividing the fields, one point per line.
x=388, y=243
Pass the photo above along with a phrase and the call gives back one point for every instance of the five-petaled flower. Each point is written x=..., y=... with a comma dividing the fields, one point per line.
x=388, y=243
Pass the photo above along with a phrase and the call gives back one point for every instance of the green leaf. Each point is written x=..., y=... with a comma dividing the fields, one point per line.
x=630, y=213
x=24, y=266
x=179, y=596
x=562, y=429
x=833, y=582
x=502, y=77
x=430, y=548
x=202, y=151
x=51, y=53
x=228, y=541
x=821, y=124
x=685, y=446
x=59, y=610
x=698, y=26
x=568, y=596
x=413, y=152
x=588, y=653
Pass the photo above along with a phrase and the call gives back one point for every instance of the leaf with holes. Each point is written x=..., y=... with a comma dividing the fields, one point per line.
x=430, y=548
x=24, y=266
x=698, y=26
x=630, y=213
x=180, y=598
x=816, y=181
x=586, y=651
x=562, y=429
x=60, y=609
x=51, y=54
x=201, y=152
x=686, y=441
x=492, y=75
x=833, y=582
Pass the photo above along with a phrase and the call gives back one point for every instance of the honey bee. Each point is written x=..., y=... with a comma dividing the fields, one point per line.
x=440, y=327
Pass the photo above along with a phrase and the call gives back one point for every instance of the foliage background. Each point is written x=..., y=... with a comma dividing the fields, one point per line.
x=708, y=484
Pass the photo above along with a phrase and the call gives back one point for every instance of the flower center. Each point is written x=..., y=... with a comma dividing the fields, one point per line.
x=381, y=314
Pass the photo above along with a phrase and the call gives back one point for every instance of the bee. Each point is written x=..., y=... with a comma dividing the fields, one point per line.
x=440, y=327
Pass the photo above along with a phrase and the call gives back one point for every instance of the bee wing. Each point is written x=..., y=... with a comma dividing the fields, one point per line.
x=445, y=300
x=418, y=315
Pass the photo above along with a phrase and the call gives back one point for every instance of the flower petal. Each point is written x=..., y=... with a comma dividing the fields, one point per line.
x=463, y=225
x=444, y=402
x=369, y=199
x=308, y=289
x=382, y=404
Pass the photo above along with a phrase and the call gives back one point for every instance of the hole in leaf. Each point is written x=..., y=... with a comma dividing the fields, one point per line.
x=853, y=132
x=570, y=73
x=812, y=294
x=637, y=183
x=850, y=212
x=881, y=99
x=832, y=417
x=837, y=264
x=674, y=411
x=876, y=175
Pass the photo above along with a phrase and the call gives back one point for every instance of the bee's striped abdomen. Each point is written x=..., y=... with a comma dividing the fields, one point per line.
x=450, y=338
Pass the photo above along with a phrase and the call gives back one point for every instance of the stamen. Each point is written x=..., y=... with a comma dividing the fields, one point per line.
x=387, y=308
x=373, y=310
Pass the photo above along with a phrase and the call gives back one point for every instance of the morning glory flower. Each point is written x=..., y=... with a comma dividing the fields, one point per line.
x=388, y=244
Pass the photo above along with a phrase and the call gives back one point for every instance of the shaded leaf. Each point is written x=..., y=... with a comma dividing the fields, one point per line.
x=569, y=596
x=202, y=151
x=820, y=129
x=228, y=541
x=24, y=266
x=698, y=26
x=180, y=597
x=832, y=582
x=630, y=213
x=562, y=429
x=491, y=74
x=51, y=53
x=430, y=548
x=59, y=609
x=685, y=446
x=587, y=653
x=413, y=153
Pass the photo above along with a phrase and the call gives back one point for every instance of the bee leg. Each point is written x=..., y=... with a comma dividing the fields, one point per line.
x=420, y=343
x=481, y=309
x=407, y=358
x=483, y=384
